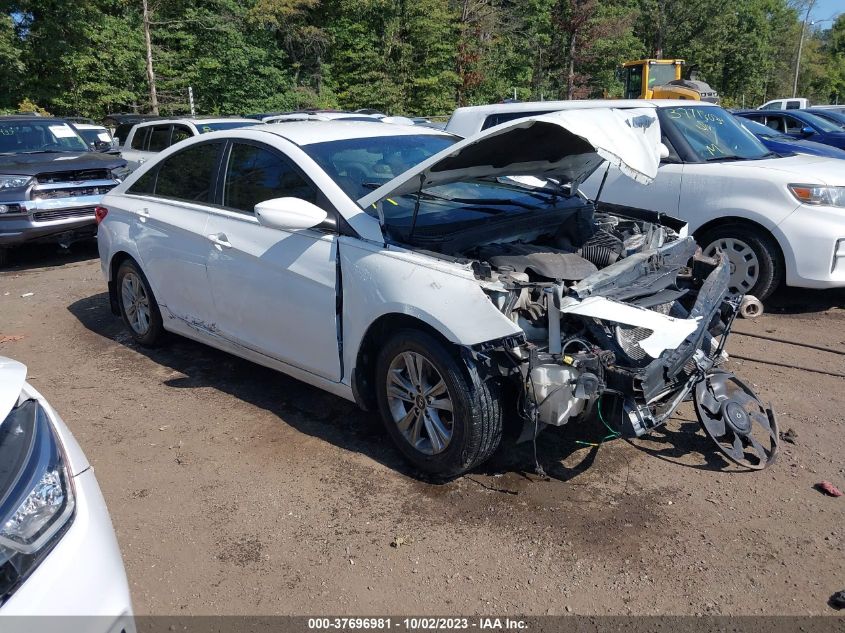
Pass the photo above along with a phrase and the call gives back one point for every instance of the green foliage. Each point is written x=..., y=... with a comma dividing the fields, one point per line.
x=401, y=56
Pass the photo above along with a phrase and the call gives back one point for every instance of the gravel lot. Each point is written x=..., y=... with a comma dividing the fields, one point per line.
x=237, y=490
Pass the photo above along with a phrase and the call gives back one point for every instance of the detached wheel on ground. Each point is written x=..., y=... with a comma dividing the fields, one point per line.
x=756, y=266
x=443, y=418
x=138, y=306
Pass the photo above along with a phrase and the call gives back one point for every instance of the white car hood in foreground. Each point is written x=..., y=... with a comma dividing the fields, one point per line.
x=12, y=378
x=802, y=169
x=567, y=145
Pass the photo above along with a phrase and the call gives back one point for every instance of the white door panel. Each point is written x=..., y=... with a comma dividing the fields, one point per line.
x=172, y=243
x=662, y=195
x=275, y=291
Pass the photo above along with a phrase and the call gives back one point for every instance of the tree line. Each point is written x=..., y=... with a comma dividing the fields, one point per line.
x=425, y=57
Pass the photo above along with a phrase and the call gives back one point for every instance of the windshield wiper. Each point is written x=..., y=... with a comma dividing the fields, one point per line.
x=44, y=151
x=725, y=158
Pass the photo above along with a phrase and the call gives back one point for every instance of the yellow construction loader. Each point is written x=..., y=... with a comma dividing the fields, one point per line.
x=663, y=79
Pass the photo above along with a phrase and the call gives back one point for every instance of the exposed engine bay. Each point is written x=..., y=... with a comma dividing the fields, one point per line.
x=619, y=313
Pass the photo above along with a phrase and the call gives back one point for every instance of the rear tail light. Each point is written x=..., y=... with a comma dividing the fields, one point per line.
x=100, y=214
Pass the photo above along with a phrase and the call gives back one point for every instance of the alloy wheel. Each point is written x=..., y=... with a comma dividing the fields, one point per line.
x=420, y=403
x=136, y=303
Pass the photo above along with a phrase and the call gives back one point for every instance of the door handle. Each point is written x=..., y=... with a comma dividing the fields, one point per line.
x=144, y=214
x=220, y=239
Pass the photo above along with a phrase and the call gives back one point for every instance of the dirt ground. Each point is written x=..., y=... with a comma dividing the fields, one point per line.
x=237, y=490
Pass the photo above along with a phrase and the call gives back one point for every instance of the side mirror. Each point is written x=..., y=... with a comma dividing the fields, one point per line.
x=664, y=151
x=807, y=130
x=289, y=214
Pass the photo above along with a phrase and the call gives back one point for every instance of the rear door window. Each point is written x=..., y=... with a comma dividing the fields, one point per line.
x=776, y=122
x=793, y=125
x=189, y=174
x=159, y=138
x=140, y=137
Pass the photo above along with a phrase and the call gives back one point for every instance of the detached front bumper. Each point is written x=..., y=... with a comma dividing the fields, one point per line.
x=659, y=388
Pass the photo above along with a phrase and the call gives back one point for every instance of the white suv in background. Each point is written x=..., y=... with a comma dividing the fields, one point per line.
x=58, y=551
x=778, y=218
x=147, y=139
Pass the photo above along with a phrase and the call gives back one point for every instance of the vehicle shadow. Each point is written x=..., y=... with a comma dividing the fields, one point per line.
x=803, y=301
x=32, y=256
x=319, y=414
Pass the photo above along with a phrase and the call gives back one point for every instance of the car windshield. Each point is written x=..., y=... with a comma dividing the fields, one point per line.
x=359, y=165
x=94, y=135
x=660, y=74
x=832, y=115
x=764, y=130
x=822, y=123
x=44, y=135
x=712, y=133
x=205, y=127
x=458, y=205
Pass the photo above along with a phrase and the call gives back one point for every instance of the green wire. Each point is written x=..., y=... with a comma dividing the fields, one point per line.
x=611, y=436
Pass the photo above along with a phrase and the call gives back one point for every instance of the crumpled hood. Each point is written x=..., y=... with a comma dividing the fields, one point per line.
x=567, y=145
x=12, y=379
x=32, y=164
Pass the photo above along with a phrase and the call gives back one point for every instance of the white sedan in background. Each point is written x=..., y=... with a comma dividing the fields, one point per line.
x=58, y=552
x=449, y=283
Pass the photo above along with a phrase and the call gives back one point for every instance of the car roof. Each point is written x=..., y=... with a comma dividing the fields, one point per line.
x=533, y=106
x=31, y=117
x=309, y=132
x=196, y=120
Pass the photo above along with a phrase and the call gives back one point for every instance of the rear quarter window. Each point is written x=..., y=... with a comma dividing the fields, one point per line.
x=139, y=139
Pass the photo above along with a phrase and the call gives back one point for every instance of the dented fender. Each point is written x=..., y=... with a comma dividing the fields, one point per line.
x=444, y=295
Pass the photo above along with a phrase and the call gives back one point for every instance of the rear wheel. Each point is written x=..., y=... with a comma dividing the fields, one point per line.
x=756, y=267
x=441, y=416
x=138, y=306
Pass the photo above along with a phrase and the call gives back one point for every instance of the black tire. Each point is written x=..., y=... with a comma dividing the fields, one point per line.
x=476, y=423
x=154, y=334
x=770, y=272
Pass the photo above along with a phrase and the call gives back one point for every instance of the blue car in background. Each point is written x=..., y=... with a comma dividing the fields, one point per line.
x=834, y=116
x=799, y=124
x=786, y=145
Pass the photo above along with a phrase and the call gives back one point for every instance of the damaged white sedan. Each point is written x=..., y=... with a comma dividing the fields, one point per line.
x=451, y=284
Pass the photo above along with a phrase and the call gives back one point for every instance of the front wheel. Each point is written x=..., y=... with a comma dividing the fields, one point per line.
x=443, y=418
x=755, y=260
x=138, y=306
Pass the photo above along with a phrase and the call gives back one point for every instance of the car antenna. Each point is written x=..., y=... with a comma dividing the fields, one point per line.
x=416, y=208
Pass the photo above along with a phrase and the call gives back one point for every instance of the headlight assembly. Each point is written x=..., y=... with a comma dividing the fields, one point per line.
x=819, y=195
x=120, y=173
x=14, y=182
x=36, y=494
